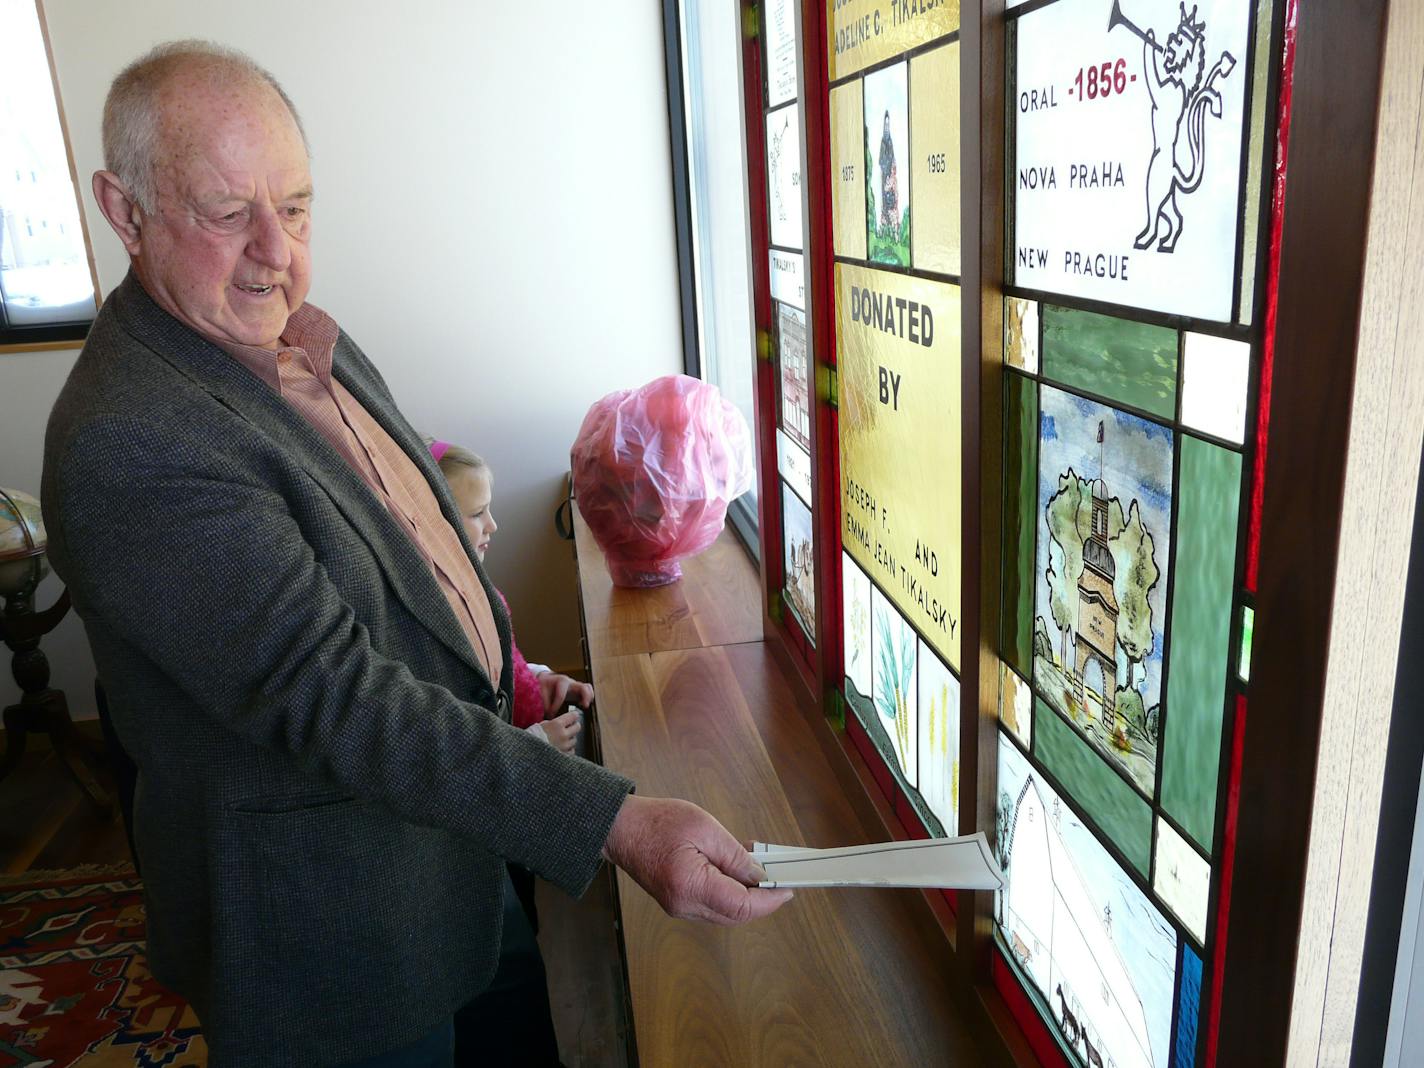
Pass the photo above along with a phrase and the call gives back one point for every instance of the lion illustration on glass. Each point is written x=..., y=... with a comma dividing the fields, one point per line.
x=1182, y=91
x=887, y=146
x=1098, y=950
x=893, y=683
x=1104, y=506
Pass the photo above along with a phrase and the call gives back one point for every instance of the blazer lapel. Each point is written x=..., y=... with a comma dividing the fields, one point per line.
x=257, y=403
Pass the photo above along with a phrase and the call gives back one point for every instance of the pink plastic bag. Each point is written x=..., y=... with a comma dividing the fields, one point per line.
x=654, y=470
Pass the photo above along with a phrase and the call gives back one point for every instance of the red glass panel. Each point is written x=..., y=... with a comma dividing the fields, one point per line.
x=1228, y=857
x=1035, y=1031
x=1273, y=270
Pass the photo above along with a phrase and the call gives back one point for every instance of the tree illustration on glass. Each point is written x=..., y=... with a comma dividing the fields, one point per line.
x=895, y=692
x=1105, y=497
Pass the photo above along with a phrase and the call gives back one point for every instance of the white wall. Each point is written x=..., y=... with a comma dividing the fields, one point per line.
x=493, y=225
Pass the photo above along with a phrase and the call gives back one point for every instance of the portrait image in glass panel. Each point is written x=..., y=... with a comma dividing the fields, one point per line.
x=887, y=166
x=1100, y=953
x=1104, y=519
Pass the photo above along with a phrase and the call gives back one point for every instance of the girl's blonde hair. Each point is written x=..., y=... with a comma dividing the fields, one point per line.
x=451, y=458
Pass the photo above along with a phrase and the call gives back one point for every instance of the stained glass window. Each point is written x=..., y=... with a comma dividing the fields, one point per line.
x=793, y=411
x=894, y=125
x=1129, y=354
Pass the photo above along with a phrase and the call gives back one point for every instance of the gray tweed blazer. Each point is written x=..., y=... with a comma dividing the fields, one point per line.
x=326, y=796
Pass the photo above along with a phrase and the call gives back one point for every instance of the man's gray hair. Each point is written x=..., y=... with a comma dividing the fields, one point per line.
x=131, y=121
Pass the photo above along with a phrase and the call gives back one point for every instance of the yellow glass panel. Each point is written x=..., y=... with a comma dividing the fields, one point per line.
x=934, y=140
x=848, y=169
x=865, y=32
x=1021, y=334
x=900, y=413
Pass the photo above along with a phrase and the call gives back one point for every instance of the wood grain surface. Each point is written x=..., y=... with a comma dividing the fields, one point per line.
x=717, y=602
x=835, y=977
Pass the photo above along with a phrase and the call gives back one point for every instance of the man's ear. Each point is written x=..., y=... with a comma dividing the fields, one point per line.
x=120, y=208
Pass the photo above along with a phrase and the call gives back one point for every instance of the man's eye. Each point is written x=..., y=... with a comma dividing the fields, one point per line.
x=295, y=212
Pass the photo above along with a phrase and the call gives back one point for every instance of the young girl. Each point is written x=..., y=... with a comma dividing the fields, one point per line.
x=540, y=695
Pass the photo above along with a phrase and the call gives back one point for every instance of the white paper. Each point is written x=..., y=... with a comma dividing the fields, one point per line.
x=964, y=863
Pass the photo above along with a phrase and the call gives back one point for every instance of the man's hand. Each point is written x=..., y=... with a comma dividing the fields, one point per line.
x=560, y=690
x=688, y=862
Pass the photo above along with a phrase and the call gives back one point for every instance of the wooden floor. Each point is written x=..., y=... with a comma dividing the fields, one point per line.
x=46, y=823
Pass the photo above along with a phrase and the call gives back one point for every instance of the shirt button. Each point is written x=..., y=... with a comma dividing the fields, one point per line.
x=284, y=358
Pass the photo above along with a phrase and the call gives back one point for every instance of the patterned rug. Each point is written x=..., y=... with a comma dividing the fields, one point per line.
x=75, y=991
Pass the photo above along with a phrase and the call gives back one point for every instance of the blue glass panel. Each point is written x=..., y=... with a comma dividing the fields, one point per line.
x=1188, y=1004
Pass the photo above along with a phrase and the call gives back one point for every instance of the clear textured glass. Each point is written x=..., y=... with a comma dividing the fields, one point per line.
x=44, y=265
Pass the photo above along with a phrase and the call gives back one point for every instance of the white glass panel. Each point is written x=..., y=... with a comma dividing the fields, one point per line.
x=780, y=16
x=855, y=606
x=1098, y=950
x=939, y=739
x=788, y=278
x=783, y=167
x=1126, y=183
x=44, y=266
x=1182, y=879
x=1214, y=385
x=794, y=465
x=893, y=685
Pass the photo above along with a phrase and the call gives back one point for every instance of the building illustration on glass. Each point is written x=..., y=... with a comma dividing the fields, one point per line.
x=1097, y=950
x=795, y=385
x=799, y=558
x=887, y=147
x=1105, y=483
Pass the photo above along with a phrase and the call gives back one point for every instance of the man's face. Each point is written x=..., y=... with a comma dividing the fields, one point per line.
x=226, y=250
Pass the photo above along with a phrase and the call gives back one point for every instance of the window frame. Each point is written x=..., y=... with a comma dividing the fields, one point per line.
x=70, y=335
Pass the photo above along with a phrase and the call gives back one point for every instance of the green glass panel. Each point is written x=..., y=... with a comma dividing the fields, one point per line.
x=1020, y=481
x=1093, y=786
x=1243, y=659
x=1132, y=363
x=1199, y=654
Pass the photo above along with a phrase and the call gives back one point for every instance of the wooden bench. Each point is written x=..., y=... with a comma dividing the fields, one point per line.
x=693, y=703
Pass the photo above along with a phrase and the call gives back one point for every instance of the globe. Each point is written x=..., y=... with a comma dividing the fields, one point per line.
x=22, y=544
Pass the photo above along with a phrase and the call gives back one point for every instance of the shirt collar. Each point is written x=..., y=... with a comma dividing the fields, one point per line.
x=309, y=330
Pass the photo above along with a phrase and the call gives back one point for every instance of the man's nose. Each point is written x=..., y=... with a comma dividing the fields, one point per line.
x=268, y=245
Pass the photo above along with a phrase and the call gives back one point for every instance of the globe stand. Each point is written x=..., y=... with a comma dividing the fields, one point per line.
x=42, y=708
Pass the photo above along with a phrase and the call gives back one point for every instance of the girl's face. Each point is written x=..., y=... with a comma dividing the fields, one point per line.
x=473, y=493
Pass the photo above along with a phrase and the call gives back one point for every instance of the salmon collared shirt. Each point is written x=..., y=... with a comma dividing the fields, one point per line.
x=300, y=372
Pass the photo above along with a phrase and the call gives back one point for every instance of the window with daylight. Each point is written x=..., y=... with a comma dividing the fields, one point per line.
x=48, y=291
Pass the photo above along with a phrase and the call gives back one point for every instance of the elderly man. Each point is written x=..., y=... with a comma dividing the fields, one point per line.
x=300, y=649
